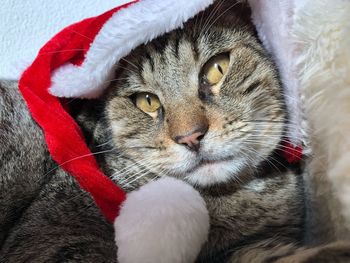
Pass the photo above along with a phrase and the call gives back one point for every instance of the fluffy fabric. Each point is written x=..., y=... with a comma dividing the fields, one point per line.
x=322, y=30
x=164, y=221
x=274, y=20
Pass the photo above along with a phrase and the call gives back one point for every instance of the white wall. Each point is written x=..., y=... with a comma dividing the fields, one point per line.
x=25, y=25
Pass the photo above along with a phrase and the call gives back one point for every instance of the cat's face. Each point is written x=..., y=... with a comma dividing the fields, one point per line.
x=202, y=103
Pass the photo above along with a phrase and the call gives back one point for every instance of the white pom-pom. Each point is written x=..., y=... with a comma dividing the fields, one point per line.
x=164, y=221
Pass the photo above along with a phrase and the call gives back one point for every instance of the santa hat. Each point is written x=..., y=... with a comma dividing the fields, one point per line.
x=79, y=61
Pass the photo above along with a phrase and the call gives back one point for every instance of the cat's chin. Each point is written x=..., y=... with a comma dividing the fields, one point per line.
x=207, y=174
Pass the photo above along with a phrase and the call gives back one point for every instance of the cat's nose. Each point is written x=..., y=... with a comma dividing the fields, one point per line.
x=193, y=138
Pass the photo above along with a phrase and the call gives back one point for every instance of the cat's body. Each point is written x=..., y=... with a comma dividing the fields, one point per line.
x=45, y=216
x=222, y=137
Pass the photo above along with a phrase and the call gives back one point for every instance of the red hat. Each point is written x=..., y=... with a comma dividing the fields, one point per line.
x=77, y=63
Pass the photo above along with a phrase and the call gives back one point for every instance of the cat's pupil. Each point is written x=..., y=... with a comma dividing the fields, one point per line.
x=148, y=98
x=219, y=68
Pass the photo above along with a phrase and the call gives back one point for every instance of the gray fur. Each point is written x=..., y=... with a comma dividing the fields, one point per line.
x=256, y=213
x=45, y=216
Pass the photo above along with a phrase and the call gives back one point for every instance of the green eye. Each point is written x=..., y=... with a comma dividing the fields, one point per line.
x=215, y=69
x=147, y=102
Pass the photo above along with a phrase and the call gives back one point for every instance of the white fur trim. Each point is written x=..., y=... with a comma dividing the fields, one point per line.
x=274, y=20
x=125, y=30
x=164, y=221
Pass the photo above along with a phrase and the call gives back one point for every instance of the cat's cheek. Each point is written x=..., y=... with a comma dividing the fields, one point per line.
x=118, y=127
x=179, y=160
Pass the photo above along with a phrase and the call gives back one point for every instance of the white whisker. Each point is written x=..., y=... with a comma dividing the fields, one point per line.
x=127, y=169
x=137, y=178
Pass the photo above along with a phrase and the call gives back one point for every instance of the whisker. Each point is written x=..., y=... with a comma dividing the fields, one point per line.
x=62, y=51
x=127, y=169
x=147, y=168
x=80, y=34
x=116, y=79
x=212, y=14
x=218, y=17
x=130, y=63
x=263, y=121
x=137, y=178
x=103, y=144
x=77, y=158
x=282, y=148
x=267, y=159
x=144, y=169
x=127, y=69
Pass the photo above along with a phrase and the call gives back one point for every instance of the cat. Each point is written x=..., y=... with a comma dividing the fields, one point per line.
x=202, y=103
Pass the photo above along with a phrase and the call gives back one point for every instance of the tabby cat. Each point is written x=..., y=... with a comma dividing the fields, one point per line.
x=203, y=104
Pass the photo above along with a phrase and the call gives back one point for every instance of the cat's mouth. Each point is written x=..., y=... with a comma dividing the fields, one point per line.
x=210, y=162
x=207, y=171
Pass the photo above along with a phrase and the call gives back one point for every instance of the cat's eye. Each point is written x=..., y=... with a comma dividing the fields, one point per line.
x=147, y=102
x=215, y=69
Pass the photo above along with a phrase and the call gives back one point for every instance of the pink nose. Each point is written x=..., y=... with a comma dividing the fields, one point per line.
x=192, y=140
